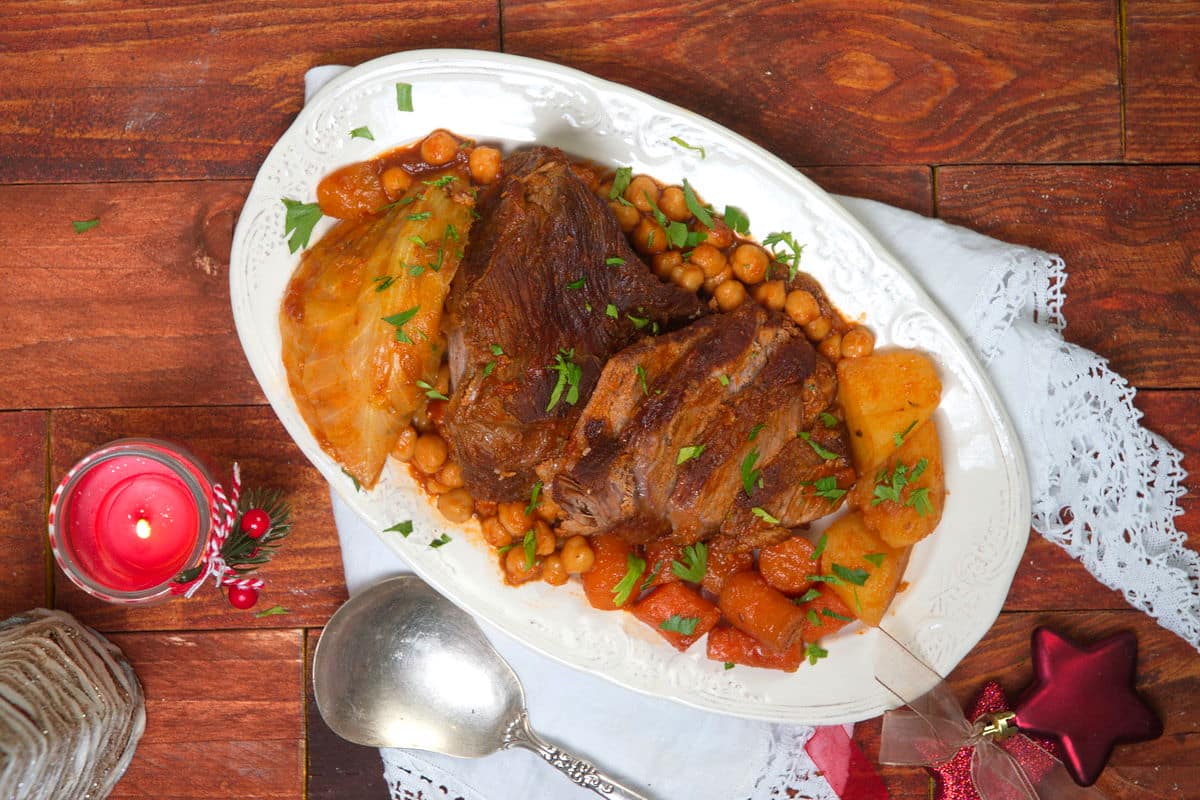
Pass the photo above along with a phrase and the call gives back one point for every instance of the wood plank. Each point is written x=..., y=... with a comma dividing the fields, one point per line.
x=23, y=501
x=1168, y=677
x=224, y=715
x=306, y=575
x=906, y=187
x=337, y=768
x=113, y=91
x=132, y=312
x=876, y=82
x=1162, y=81
x=1130, y=237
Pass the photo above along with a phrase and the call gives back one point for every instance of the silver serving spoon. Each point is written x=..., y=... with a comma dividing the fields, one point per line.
x=401, y=666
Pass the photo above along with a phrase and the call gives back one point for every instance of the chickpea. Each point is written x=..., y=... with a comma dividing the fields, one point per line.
x=435, y=487
x=719, y=235
x=439, y=148
x=801, y=306
x=691, y=278
x=430, y=453
x=730, y=295
x=673, y=204
x=406, y=444
x=604, y=189
x=749, y=263
x=676, y=273
x=494, y=533
x=857, y=342
x=395, y=181
x=577, y=555
x=484, y=163
x=553, y=571
x=627, y=216
x=665, y=262
x=818, y=329
x=456, y=505
x=649, y=237
x=546, y=542
x=770, y=294
x=515, y=569
x=831, y=346
x=642, y=192
x=486, y=508
x=450, y=475
x=711, y=284
x=421, y=420
x=708, y=258
x=514, y=519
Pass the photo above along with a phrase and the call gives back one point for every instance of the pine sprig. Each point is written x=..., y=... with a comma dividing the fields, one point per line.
x=244, y=554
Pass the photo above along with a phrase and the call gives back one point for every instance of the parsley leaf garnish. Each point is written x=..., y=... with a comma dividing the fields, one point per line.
x=828, y=455
x=678, y=624
x=620, y=182
x=792, y=259
x=898, y=438
x=724, y=379
x=442, y=183
x=810, y=595
x=535, y=497
x=821, y=542
x=404, y=96
x=634, y=567
x=579, y=284
x=918, y=499
x=530, y=545
x=419, y=216
x=383, y=281
x=827, y=487
x=677, y=235
x=813, y=619
x=889, y=487
x=750, y=475
x=855, y=576
x=688, y=453
x=496, y=349
x=755, y=431
x=693, y=205
x=430, y=391
x=641, y=376
x=764, y=515
x=829, y=612
x=659, y=216
x=638, y=322
x=87, y=224
x=728, y=665
x=815, y=653
x=399, y=319
x=488, y=368
x=611, y=311
x=695, y=563
x=686, y=146
x=614, y=261
x=569, y=376
x=354, y=480
x=298, y=222
x=441, y=540
x=273, y=611
x=828, y=420
x=403, y=528
x=875, y=558
x=737, y=220
x=362, y=133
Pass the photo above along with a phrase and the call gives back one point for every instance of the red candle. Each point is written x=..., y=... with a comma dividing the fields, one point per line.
x=129, y=518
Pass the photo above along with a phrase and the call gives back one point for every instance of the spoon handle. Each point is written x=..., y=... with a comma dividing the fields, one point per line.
x=580, y=771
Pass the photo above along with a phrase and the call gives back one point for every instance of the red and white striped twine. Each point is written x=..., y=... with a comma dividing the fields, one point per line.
x=224, y=519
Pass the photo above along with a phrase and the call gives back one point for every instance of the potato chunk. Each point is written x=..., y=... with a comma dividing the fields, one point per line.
x=866, y=570
x=902, y=500
x=885, y=396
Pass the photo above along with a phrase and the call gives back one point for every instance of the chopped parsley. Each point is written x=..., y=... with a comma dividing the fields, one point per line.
x=354, y=480
x=828, y=455
x=815, y=653
x=809, y=596
x=488, y=368
x=813, y=619
x=755, y=431
x=751, y=477
x=403, y=528
x=569, y=376
x=724, y=379
x=362, y=133
x=420, y=215
x=828, y=420
x=829, y=612
x=634, y=567
x=641, y=376
x=889, y=486
x=415, y=270
x=792, y=259
x=611, y=311
x=298, y=223
x=620, y=182
x=87, y=224
x=694, y=564
x=451, y=233
x=441, y=540
x=729, y=665
x=855, y=576
x=659, y=216
x=496, y=349
x=827, y=487
x=273, y=611
x=638, y=322
x=399, y=320
x=821, y=542
x=677, y=235
x=529, y=543
x=441, y=183
x=417, y=240
x=535, y=497
x=898, y=438
x=737, y=220
x=578, y=284
x=918, y=499
x=650, y=240
x=404, y=97
x=681, y=625
x=875, y=558
x=431, y=392
x=764, y=515
x=701, y=213
x=383, y=281
x=686, y=146
x=688, y=453
x=614, y=261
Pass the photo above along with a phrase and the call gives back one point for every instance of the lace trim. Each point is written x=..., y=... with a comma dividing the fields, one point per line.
x=409, y=777
x=789, y=773
x=1023, y=282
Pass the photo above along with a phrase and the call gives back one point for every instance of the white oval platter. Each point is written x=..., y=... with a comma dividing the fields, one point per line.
x=957, y=578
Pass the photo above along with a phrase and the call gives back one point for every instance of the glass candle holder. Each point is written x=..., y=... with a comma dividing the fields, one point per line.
x=129, y=518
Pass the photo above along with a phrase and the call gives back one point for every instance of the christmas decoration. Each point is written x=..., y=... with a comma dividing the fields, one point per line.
x=1083, y=698
x=246, y=531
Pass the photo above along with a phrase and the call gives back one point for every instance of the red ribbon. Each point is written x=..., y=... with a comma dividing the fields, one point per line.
x=844, y=766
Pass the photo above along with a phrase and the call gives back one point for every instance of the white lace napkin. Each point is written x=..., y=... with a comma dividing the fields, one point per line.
x=1087, y=454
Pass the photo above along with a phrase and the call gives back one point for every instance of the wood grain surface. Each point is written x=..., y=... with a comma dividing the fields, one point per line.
x=305, y=577
x=1162, y=81
x=23, y=502
x=1130, y=237
x=875, y=82
x=120, y=91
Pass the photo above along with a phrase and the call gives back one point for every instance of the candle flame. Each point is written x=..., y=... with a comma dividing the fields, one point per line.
x=142, y=529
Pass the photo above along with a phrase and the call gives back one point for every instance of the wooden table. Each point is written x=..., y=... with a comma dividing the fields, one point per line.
x=1070, y=125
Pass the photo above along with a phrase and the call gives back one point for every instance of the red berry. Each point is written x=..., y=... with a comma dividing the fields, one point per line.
x=243, y=598
x=255, y=523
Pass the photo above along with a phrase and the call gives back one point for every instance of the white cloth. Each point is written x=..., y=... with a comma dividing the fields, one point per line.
x=1087, y=453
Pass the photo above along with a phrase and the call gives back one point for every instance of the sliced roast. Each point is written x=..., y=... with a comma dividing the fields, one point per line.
x=547, y=278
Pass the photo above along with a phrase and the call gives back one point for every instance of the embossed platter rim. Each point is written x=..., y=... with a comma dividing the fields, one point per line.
x=958, y=578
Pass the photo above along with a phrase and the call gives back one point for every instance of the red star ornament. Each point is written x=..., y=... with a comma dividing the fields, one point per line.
x=1083, y=699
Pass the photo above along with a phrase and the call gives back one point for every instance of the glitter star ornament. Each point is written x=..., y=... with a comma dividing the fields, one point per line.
x=1083, y=699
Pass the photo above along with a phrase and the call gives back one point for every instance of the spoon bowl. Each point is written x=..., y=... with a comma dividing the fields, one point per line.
x=400, y=666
